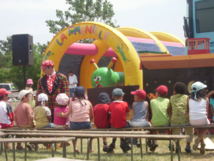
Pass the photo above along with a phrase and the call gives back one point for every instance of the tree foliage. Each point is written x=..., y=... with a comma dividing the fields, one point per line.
x=82, y=10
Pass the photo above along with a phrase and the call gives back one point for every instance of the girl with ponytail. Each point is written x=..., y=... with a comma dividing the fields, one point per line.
x=79, y=114
x=198, y=105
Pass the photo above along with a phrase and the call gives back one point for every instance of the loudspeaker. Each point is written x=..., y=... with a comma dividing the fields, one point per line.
x=22, y=49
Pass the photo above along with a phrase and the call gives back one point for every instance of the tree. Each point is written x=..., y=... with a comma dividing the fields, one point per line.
x=5, y=52
x=82, y=10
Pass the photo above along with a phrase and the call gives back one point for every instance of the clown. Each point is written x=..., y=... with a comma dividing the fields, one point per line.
x=52, y=83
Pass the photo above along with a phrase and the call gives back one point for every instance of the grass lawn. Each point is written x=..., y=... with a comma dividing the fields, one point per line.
x=161, y=154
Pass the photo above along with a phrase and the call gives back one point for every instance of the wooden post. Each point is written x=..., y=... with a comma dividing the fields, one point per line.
x=88, y=150
x=52, y=149
x=179, y=149
x=64, y=150
x=132, y=149
x=171, y=150
x=81, y=145
x=98, y=148
x=141, y=149
x=25, y=151
x=5, y=151
x=14, y=152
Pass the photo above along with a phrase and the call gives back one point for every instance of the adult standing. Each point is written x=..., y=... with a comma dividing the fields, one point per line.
x=72, y=78
x=52, y=83
x=29, y=85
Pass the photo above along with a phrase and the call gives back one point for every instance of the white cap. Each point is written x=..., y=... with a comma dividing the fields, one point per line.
x=62, y=99
x=42, y=97
x=23, y=93
x=197, y=86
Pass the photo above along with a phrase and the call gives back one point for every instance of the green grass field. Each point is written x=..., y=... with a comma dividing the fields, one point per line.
x=161, y=154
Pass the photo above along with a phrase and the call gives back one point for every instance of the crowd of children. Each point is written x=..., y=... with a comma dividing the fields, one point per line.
x=78, y=113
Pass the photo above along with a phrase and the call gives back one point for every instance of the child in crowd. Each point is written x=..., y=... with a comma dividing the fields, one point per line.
x=6, y=114
x=159, y=108
x=42, y=112
x=178, y=111
x=24, y=116
x=119, y=110
x=140, y=107
x=62, y=100
x=80, y=113
x=210, y=96
x=198, y=105
x=101, y=115
x=211, y=106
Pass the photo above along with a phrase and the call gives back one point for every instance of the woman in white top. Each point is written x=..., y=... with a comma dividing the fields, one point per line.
x=198, y=104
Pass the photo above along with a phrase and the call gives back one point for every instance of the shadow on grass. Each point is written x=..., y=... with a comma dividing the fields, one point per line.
x=198, y=156
x=114, y=156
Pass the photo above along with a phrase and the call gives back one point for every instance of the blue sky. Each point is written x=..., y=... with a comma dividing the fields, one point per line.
x=28, y=16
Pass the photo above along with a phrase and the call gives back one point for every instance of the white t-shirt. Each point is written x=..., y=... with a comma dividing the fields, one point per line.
x=4, y=119
x=72, y=81
x=197, y=109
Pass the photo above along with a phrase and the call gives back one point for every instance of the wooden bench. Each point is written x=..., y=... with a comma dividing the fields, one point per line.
x=99, y=131
x=68, y=133
x=98, y=135
x=62, y=140
x=27, y=133
x=75, y=131
x=114, y=129
x=58, y=159
x=63, y=129
x=2, y=134
x=178, y=127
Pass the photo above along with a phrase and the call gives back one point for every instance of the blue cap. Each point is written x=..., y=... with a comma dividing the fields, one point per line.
x=118, y=92
x=79, y=92
x=103, y=97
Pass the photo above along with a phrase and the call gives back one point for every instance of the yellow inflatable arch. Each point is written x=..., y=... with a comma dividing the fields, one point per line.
x=105, y=37
x=163, y=36
x=135, y=32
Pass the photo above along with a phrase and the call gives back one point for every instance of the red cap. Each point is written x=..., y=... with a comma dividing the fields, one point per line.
x=162, y=89
x=140, y=93
x=3, y=92
x=47, y=63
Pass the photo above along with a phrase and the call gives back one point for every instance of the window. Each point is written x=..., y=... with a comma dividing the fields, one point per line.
x=204, y=16
x=7, y=87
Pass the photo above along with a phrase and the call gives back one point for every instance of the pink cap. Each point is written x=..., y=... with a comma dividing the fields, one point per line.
x=162, y=89
x=140, y=93
x=29, y=81
x=3, y=92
